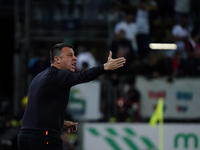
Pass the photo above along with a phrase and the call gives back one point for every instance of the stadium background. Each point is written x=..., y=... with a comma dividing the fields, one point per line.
x=29, y=28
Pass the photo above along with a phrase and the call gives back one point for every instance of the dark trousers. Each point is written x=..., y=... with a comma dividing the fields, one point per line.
x=32, y=141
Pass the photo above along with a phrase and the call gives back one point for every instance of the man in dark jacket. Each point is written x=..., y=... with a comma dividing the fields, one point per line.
x=43, y=120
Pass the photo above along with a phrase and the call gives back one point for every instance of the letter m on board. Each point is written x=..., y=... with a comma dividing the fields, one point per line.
x=185, y=138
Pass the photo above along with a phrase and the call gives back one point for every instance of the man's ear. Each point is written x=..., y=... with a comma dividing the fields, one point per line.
x=57, y=59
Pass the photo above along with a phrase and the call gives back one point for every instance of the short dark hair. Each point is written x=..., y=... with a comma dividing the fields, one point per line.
x=56, y=50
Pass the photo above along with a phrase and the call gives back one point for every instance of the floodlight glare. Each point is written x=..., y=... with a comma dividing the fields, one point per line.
x=162, y=46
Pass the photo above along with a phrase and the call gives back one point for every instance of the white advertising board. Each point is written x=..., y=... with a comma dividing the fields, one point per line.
x=181, y=97
x=119, y=136
x=84, y=101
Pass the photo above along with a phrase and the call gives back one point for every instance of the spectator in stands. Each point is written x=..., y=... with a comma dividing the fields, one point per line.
x=178, y=65
x=129, y=26
x=85, y=59
x=181, y=34
x=192, y=44
x=120, y=46
x=132, y=95
x=121, y=112
x=143, y=29
x=192, y=49
x=84, y=66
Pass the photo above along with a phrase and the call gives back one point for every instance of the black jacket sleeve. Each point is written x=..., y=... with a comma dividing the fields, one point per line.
x=69, y=79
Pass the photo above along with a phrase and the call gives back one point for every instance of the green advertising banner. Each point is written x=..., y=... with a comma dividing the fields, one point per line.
x=107, y=136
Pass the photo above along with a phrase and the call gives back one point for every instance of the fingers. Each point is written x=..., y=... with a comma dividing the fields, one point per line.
x=68, y=130
x=72, y=128
x=75, y=127
x=110, y=54
x=120, y=61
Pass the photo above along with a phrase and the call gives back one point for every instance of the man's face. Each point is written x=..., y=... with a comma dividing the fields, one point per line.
x=68, y=59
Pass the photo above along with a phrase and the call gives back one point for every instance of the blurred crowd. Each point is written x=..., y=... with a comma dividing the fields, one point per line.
x=131, y=38
x=132, y=30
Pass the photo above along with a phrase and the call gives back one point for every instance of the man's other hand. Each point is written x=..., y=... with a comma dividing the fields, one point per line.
x=70, y=126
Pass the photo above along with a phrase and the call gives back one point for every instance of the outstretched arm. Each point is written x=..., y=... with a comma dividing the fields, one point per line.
x=113, y=64
x=70, y=79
